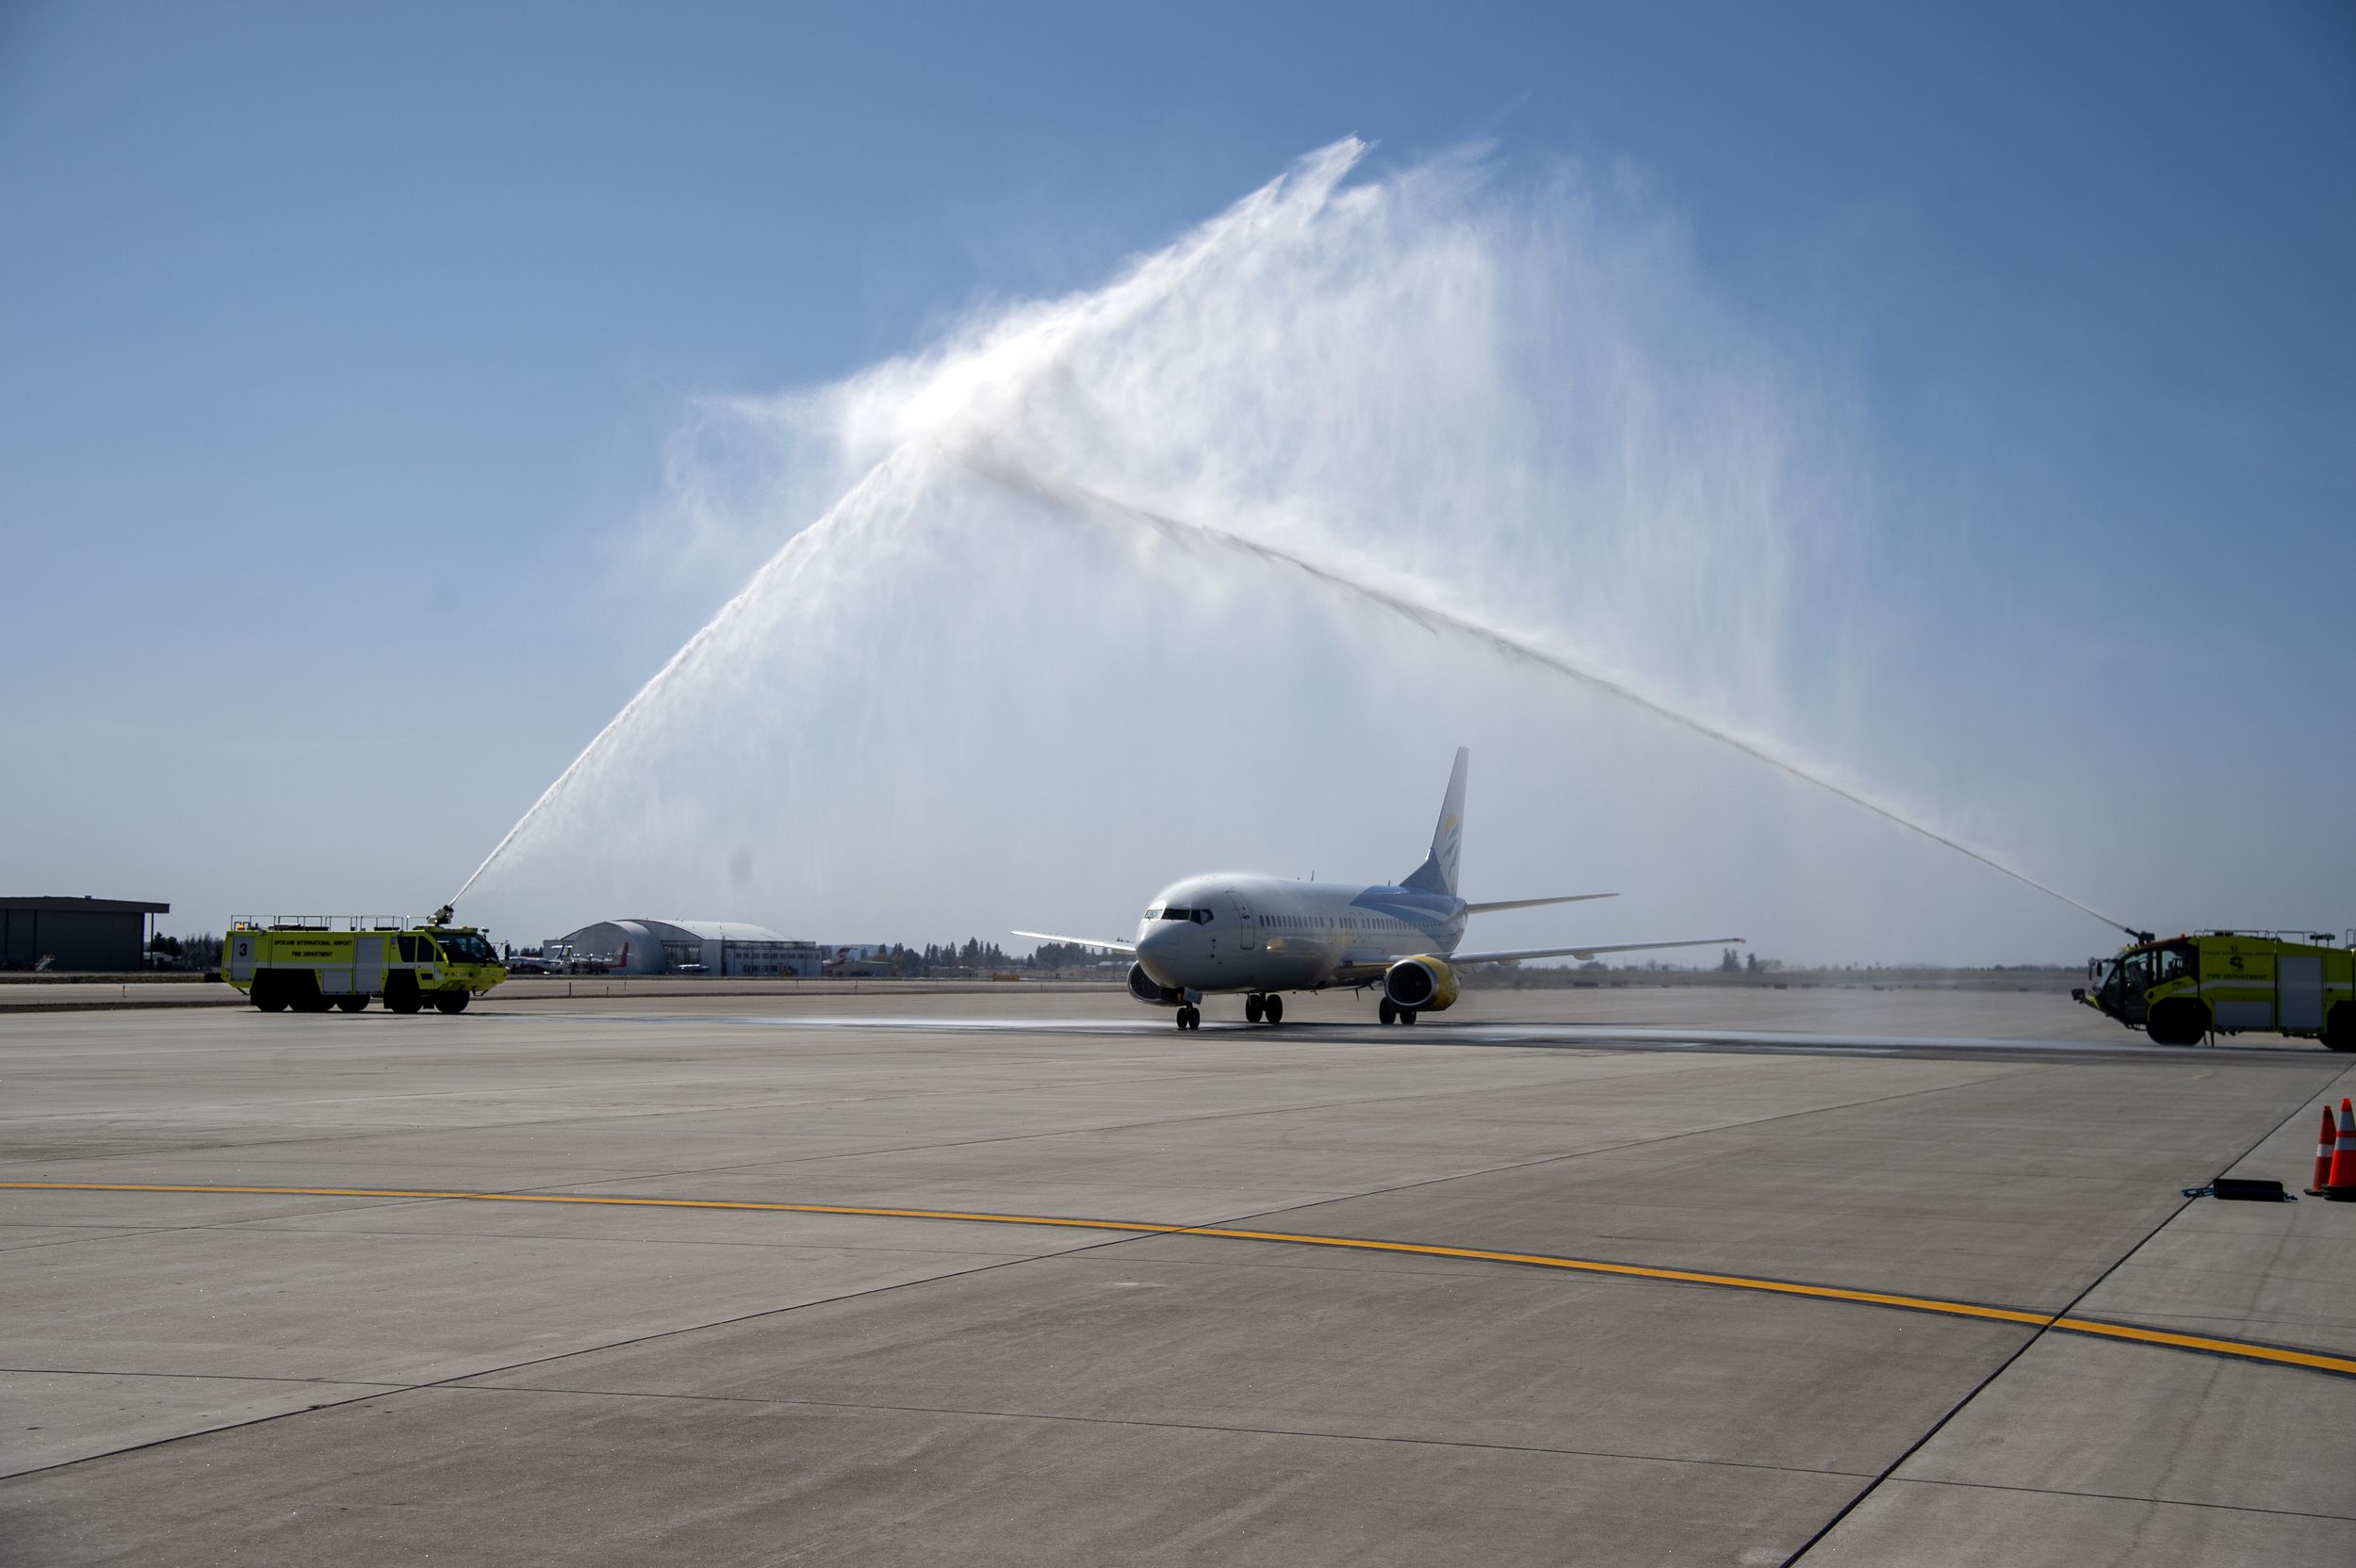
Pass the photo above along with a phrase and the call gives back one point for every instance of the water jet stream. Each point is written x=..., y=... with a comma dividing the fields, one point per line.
x=780, y=566
x=1083, y=501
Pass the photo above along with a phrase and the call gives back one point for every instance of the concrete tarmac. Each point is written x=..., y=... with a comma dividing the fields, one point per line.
x=1596, y=1277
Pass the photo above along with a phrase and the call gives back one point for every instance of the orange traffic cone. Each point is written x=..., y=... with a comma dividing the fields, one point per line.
x=2331, y=1136
x=2340, y=1188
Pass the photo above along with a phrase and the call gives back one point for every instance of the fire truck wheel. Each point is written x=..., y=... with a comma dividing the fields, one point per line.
x=2339, y=1030
x=400, y=994
x=352, y=1004
x=267, y=995
x=451, y=1003
x=2178, y=1022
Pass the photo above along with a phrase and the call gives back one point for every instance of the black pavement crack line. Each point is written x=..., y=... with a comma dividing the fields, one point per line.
x=2036, y=1337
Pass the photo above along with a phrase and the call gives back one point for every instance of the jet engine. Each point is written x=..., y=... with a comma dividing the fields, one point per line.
x=1146, y=988
x=1424, y=984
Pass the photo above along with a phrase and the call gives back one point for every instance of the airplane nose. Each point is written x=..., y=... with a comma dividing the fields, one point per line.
x=1157, y=951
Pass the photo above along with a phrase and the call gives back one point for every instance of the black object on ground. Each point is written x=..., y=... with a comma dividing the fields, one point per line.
x=2243, y=1190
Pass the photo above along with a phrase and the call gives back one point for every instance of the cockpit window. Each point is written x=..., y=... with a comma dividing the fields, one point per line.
x=1179, y=911
x=464, y=947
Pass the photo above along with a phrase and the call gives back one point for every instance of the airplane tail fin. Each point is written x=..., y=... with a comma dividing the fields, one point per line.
x=1437, y=875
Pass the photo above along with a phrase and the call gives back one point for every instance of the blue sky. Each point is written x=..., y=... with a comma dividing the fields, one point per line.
x=342, y=350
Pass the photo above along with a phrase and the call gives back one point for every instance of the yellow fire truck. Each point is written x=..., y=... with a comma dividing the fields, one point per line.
x=312, y=964
x=2224, y=982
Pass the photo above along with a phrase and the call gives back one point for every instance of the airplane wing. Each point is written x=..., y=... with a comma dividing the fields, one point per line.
x=1079, y=942
x=1532, y=903
x=1587, y=952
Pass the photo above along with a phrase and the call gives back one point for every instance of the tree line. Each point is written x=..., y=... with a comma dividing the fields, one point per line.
x=933, y=958
x=201, y=951
x=975, y=955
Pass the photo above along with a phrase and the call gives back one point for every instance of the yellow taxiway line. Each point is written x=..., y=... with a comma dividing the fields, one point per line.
x=2243, y=1349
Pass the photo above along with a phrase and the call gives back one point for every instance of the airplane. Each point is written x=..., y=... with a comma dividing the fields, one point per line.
x=1263, y=936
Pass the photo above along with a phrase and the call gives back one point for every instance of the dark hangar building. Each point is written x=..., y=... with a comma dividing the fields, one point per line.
x=107, y=935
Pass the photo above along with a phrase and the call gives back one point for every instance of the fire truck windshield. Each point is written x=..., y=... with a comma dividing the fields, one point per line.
x=465, y=947
x=2120, y=984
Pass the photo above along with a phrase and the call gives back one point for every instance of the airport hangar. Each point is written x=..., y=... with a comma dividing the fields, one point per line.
x=715, y=947
x=84, y=935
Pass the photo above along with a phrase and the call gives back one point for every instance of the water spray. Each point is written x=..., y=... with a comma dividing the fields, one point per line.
x=1180, y=381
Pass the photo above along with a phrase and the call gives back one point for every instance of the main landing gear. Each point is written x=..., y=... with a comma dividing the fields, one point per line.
x=1391, y=1012
x=1190, y=1018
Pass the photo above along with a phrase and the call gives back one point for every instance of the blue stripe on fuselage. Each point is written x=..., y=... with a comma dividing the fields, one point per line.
x=1439, y=916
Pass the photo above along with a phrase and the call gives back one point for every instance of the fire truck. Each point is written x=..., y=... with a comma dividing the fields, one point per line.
x=311, y=964
x=2185, y=988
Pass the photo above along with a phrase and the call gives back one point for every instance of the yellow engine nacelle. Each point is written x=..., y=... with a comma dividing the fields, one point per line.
x=1424, y=984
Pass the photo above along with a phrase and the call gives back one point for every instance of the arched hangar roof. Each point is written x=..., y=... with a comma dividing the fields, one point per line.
x=717, y=930
x=689, y=930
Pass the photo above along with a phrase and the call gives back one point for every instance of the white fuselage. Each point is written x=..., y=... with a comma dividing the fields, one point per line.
x=1242, y=932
